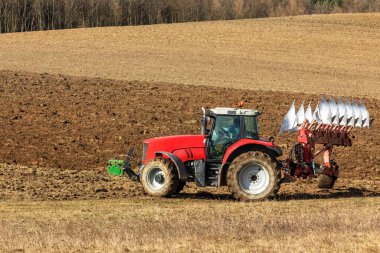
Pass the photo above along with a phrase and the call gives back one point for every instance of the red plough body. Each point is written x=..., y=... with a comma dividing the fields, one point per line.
x=301, y=159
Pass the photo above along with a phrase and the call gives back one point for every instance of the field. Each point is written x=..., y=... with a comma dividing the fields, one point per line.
x=74, y=124
x=178, y=225
x=332, y=54
x=71, y=100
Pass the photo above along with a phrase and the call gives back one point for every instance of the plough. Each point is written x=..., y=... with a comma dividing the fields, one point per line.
x=329, y=125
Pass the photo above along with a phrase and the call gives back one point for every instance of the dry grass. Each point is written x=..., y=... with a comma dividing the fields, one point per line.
x=178, y=225
x=333, y=54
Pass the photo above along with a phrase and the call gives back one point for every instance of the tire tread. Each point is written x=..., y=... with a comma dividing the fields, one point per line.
x=171, y=175
x=263, y=158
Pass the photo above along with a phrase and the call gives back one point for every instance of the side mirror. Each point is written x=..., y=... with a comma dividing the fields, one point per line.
x=203, y=125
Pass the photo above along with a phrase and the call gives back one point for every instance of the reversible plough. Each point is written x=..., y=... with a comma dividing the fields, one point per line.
x=329, y=125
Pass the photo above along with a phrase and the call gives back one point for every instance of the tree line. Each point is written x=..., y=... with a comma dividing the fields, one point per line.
x=35, y=15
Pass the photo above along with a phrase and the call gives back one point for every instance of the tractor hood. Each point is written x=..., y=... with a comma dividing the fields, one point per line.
x=171, y=144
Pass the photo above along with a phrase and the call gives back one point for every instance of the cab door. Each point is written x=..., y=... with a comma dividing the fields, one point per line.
x=226, y=131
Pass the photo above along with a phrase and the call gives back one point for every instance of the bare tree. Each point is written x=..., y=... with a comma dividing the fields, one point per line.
x=31, y=15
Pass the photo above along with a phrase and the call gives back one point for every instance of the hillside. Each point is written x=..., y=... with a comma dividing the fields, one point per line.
x=72, y=99
x=332, y=54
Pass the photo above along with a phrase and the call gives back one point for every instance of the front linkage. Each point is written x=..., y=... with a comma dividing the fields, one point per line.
x=120, y=167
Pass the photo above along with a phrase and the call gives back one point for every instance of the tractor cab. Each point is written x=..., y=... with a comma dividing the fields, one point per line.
x=225, y=126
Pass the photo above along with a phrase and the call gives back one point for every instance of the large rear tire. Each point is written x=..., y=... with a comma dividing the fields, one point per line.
x=327, y=182
x=160, y=178
x=253, y=176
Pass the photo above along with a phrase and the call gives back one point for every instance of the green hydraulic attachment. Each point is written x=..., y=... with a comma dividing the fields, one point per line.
x=119, y=167
x=115, y=167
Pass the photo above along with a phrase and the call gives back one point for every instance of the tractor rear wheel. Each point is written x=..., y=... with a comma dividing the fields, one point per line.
x=253, y=176
x=160, y=178
x=327, y=182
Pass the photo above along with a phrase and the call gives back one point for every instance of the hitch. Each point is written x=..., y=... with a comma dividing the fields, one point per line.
x=119, y=167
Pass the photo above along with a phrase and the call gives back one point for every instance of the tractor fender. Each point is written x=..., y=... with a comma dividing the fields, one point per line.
x=249, y=144
x=235, y=150
x=181, y=169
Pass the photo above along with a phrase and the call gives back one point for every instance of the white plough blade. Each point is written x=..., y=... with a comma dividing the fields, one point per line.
x=309, y=114
x=316, y=114
x=342, y=113
x=350, y=114
x=325, y=112
x=328, y=113
x=290, y=120
x=365, y=115
x=334, y=112
x=300, y=115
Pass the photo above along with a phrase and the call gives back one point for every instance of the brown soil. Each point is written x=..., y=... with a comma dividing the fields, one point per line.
x=74, y=125
x=338, y=54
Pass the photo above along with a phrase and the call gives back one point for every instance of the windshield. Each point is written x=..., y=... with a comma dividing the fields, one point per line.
x=226, y=127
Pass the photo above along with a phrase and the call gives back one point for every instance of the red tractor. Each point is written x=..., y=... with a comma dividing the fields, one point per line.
x=229, y=152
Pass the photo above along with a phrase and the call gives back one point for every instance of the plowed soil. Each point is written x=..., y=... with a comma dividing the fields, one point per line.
x=64, y=129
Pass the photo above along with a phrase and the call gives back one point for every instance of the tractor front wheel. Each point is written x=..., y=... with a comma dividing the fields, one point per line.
x=160, y=178
x=253, y=176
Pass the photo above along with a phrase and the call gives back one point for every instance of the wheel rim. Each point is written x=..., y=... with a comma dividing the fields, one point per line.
x=155, y=179
x=254, y=179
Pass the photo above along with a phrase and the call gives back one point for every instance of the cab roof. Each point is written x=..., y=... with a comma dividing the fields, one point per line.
x=234, y=111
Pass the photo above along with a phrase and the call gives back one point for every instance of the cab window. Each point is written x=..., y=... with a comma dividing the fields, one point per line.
x=226, y=132
x=251, y=130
